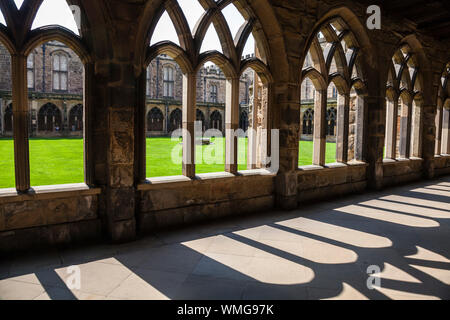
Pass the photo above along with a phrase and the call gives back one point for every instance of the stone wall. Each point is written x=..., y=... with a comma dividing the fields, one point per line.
x=52, y=216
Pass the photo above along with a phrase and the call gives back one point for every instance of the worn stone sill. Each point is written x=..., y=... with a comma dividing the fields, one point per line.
x=334, y=165
x=442, y=155
x=400, y=160
x=48, y=192
x=175, y=180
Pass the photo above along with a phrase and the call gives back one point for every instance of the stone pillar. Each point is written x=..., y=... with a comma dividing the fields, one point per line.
x=405, y=130
x=343, y=114
x=320, y=137
x=189, y=100
x=438, y=124
x=427, y=147
x=20, y=119
x=416, y=130
x=446, y=131
x=231, y=125
x=391, y=128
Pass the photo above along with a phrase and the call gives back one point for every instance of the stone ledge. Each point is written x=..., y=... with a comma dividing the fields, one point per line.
x=402, y=161
x=332, y=166
x=175, y=181
x=48, y=192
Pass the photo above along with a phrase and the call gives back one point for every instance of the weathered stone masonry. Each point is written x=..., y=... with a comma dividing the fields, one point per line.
x=117, y=199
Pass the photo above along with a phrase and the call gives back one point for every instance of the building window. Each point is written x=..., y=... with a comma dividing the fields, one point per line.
x=214, y=93
x=334, y=92
x=308, y=121
x=168, y=82
x=30, y=71
x=60, y=72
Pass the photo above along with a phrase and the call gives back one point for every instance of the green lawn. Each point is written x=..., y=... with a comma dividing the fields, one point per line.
x=60, y=161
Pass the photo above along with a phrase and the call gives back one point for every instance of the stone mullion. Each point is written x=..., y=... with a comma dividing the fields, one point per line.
x=391, y=129
x=189, y=100
x=88, y=125
x=20, y=120
x=360, y=132
x=231, y=125
x=405, y=130
x=446, y=131
x=320, y=110
x=438, y=123
x=343, y=117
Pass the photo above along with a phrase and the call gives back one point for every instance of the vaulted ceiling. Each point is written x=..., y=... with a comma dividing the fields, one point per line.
x=430, y=16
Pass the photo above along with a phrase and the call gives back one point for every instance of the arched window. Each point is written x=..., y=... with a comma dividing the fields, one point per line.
x=308, y=121
x=168, y=82
x=213, y=94
x=30, y=71
x=175, y=120
x=243, y=120
x=403, y=106
x=9, y=119
x=49, y=118
x=155, y=120
x=333, y=65
x=76, y=118
x=216, y=120
x=199, y=115
x=60, y=72
x=331, y=122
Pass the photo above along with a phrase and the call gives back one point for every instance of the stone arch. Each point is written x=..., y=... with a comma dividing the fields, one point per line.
x=76, y=118
x=308, y=121
x=49, y=118
x=200, y=116
x=175, y=120
x=155, y=120
x=216, y=120
x=243, y=120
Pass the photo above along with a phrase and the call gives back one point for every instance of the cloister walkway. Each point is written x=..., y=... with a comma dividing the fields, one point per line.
x=320, y=251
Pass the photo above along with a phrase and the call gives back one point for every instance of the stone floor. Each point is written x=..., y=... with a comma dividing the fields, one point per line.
x=321, y=251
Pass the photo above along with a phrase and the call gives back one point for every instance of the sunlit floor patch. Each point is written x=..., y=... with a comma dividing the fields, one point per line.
x=418, y=202
x=341, y=234
x=432, y=191
x=442, y=275
x=404, y=295
x=393, y=273
x=424, y=254
x=348, y=293
x=388, y=216
x=407, y=208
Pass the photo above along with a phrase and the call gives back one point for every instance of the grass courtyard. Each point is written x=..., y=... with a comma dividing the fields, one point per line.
x=60, y=160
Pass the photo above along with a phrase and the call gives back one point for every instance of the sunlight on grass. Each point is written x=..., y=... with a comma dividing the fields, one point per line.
x=60, y=160
x=7, y=174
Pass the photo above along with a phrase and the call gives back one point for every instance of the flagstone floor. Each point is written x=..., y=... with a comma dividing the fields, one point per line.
x=393, y=244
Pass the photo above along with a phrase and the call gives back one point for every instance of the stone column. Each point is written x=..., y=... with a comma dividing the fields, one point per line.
x=416, y=130
x=231, y=125
x=438, y=124
x=189, y=100
x=391, y=128
x=405, y=130
x=320, y=137
x=343, y=115
x=446, y=131
x=427, y=147
x=20, y=119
